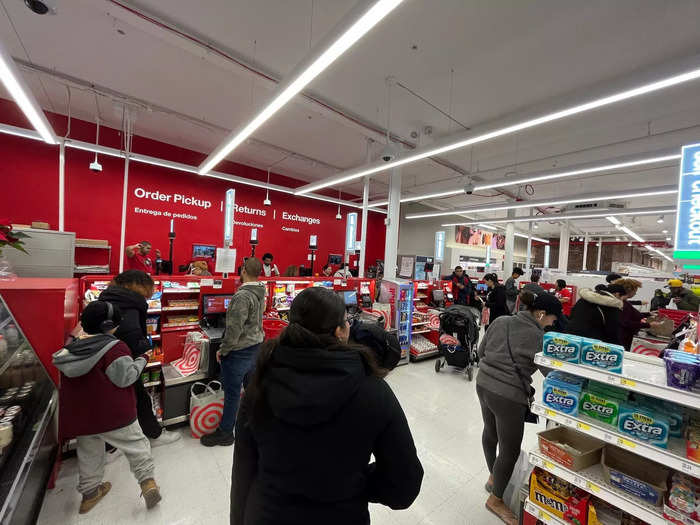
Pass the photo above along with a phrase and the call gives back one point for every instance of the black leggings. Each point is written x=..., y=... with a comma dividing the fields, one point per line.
x=144, y=410
x=504, y=423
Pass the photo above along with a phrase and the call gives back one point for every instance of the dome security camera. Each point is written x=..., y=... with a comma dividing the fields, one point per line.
x=389, y=153
x=41, y=7
x=469, y=187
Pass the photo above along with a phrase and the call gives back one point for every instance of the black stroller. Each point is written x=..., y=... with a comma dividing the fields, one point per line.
x=459, y=336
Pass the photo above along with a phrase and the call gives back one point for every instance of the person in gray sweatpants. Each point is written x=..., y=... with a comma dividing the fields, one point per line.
x=98, y=405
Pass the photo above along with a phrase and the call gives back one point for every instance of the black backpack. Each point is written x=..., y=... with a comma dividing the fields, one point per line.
x=385, y=345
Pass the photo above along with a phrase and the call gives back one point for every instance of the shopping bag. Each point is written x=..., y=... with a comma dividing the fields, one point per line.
x=194, y=355
x=520, y=476
x=206, y=408
x=485, y=315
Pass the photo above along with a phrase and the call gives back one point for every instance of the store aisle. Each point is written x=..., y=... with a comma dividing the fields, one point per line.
x=442, y=410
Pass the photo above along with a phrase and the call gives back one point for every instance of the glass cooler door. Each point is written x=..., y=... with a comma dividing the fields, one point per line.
x=28, y=401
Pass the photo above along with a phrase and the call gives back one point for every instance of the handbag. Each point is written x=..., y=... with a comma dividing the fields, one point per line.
x=206, y=408
x=530, y=416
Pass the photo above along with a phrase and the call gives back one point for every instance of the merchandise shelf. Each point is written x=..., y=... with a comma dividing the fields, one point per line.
x=592, y=480
x=151, y=383
x=152, y=364
x=155, y=337
x=421, y=323
x=538, y=512
x=96, y=247
x=180, y=308
x=673, y=457
x=154, y=310
x=624, y=380
x=181, y=290
x=420, y=332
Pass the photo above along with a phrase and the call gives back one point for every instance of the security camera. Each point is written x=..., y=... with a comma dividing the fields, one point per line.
x=95, y=166
x=41, y=7
x=469, y=187
x=389, y=153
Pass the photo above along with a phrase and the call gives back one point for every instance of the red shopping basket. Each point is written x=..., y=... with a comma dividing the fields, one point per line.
x=273, y=327
x=677, y=316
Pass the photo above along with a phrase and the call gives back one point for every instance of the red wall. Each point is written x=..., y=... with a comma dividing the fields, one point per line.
x=29, y=192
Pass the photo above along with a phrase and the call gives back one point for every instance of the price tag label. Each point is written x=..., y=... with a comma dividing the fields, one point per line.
x=686, y=467
x=628, y=383
x=621, y=442
x=579, y=481
x=608, y=437
x=593, y=487
x=537, y=409
x=613, y=380
x=536, y=461
x=568, y=422
x=557, y=364
x=549, y=465
x=544, y=516
x=550, y=413
x=583, y=426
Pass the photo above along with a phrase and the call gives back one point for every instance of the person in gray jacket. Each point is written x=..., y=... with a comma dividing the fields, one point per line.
x=512, y=288
x=504, y=388
x=239, y=347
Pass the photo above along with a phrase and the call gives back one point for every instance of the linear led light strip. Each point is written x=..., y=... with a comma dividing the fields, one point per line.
x=13, y=82
x=538, y=178
x=468, y=141
x=565, y=217
x=662, y=254
x=351, y=29
x=661, y=190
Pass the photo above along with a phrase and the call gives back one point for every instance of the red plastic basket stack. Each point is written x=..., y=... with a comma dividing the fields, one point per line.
x=677, y=316
x=273, y=327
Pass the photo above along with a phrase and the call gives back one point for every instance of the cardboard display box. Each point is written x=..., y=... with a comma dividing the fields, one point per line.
x=635, y=475
x=92, y=242
x=581, y=451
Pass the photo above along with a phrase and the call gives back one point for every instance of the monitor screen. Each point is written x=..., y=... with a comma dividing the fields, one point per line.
x=350, y=297
x=203, y=250
x=482, y=287
x=215, y=304
x=335, y=259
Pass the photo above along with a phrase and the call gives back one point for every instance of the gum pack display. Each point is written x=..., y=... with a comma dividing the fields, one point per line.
x=644, y=424
x=561, y=346
x=562, y=392
x=602, y=355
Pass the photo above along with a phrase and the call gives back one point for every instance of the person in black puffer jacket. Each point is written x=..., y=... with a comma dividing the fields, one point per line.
x=315, y=411
x=496, y=300
x=129, y=291
x=596, y=314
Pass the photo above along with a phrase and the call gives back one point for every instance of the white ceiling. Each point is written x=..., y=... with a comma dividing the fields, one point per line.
x=478, y=61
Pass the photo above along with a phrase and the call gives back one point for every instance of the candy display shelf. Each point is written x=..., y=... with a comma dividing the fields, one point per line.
x=151, y=383
x=538, y=512
x=624, y=380
x=673, y=457
x=152, y=364
x=592, y=480
x=180, y=308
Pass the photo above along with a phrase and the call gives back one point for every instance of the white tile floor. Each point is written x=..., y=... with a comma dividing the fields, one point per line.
x=442, y=410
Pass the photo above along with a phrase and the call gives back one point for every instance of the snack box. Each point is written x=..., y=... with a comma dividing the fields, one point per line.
x=603, y=356
x=644, y=424
x=682, y=369
x=572, y=449
x=569, y=503
x=564, y=347
x=635, y=475
x=561, y=392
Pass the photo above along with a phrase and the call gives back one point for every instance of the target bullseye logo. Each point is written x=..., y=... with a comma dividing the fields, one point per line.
x=205, y=419
x=434, y=322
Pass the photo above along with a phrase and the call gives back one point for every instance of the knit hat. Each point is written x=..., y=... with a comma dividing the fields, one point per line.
x=547, y=302
x=675, y=283
x=95, y=314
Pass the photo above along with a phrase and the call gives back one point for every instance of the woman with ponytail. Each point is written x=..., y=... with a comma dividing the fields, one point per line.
x=315, y=411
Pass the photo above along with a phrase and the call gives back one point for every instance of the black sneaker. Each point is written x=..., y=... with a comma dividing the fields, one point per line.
x=218, y=437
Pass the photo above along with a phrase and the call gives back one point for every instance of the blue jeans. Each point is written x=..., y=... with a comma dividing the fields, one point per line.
x=234, y=367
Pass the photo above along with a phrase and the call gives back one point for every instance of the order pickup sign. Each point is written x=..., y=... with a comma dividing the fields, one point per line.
x=687, y=245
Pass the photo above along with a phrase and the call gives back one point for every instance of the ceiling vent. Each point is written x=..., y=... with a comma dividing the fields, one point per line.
x=596, y=205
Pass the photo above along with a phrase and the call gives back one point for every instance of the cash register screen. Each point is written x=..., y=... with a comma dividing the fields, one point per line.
x=215, y=304
x=350, y=298
x=482, y=288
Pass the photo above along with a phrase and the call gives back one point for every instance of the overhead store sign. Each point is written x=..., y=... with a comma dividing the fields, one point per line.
x=687, y=244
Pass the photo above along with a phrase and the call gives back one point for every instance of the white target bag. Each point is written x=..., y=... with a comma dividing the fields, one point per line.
x=194, y=355
x=206, y=408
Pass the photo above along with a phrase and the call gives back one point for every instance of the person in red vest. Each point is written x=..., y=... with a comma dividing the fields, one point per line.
x=565, y=297
x=138, y=258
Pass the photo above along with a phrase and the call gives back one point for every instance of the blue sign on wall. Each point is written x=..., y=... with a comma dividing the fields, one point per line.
x=687, y=244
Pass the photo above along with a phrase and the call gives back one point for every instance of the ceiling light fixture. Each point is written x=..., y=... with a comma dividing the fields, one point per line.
x=662, y=254
x=22, y=95
x=662, y=190
x=450, y=144
x=632, y=234
x=364, y=16
x=525, y=236
x=614, y=220
x=535, y=226
x=664, y=231
x=570, y=216
x=338, y=216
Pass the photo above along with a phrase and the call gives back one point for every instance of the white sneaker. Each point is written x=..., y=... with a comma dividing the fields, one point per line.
x=113, y=455
x=166, y=438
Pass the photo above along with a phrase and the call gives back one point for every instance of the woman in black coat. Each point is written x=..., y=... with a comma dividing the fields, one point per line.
x=496, y=300
x=316, y=410
x=129, y=291
x=596, y=314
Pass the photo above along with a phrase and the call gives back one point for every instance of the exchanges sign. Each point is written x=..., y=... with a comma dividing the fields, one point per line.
x=688, y=211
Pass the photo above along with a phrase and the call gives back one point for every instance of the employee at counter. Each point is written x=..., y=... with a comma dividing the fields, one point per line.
x=269, y=267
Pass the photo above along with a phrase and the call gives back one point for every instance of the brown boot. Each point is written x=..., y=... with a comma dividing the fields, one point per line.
x=150, y=493
x=499, y=508
x=90, y=501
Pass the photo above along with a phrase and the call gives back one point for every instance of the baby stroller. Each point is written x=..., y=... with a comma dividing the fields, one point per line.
x=459, y=335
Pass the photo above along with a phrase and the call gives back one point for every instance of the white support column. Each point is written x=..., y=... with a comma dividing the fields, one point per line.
x=125, y=194
x=363, y=235
x=564, y=247
x=391, y=243
x=62, y=186
x=600, y=250
x=510, y=245
x=585, y=252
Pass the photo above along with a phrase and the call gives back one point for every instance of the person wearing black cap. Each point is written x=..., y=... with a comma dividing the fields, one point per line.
x=596, y=314
x=504, y=387
x=98, y=406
